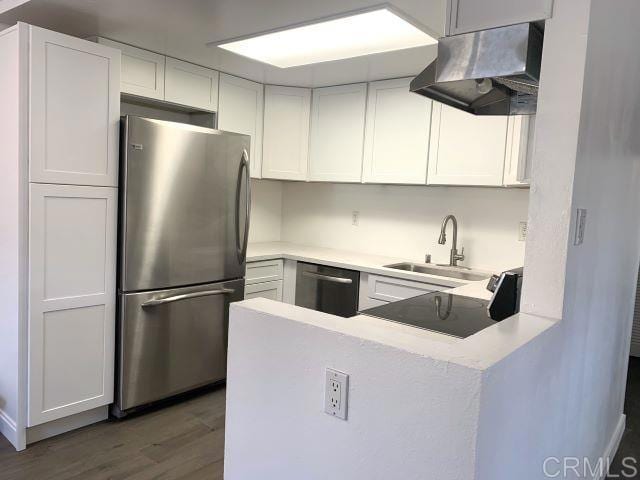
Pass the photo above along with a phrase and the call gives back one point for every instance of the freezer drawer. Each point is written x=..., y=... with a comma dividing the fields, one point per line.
x=172, y=341
x=327, y=289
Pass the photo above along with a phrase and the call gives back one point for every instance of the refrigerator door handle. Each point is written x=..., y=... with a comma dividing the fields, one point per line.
x=242, y=248
x=186, y=296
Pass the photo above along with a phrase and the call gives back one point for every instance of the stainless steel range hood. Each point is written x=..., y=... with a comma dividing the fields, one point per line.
x=491, y=72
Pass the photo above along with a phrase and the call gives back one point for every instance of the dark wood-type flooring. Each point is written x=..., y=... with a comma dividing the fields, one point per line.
x=184, y=441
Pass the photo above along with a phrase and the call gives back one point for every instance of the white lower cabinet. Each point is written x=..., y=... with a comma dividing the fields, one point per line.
x=376, y=290
x=71, y=326
x=270, y=290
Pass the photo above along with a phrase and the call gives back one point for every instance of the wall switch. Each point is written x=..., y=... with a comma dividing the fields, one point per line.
x=355, y=218
x=581, y=223
x=522, y=231
x=336, y=393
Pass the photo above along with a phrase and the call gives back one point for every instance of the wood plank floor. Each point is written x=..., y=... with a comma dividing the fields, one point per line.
x=184, y=441
x=181, y=441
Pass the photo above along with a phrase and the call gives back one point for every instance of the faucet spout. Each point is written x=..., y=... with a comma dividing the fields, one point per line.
x=455, y=256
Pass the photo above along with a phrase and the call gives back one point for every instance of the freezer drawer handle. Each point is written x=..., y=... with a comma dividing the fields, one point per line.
x=327, y=278
x=186, y=296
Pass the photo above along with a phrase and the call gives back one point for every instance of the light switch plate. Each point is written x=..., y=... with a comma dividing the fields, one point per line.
x=336, y=393
x=581, y=224
x=522, y=231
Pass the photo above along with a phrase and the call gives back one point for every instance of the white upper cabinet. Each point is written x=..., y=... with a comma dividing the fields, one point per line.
x=71, y=329
x=466, y=149
x=142, y=71
x=74, y=110
x=337, y=133
x=520, y=140
x=472, y=15
x=240, y=110
x=191, y=85
x=396, y=145
x=285, y=146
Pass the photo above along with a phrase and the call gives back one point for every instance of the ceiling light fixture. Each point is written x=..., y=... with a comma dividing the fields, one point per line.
x=378, y=30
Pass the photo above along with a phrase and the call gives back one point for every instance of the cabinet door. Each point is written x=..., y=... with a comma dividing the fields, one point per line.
x=191, y=85
x=517, y=165
x=473, y=15
x=72, y=258
x=240, y=110
x=270, y=290
x=396, y=141
x=142, y=70
x=74, y=110
x=466, y=149
x=337, y=133
x=285, y=147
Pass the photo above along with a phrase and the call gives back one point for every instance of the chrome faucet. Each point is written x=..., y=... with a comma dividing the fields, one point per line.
x=455, y=256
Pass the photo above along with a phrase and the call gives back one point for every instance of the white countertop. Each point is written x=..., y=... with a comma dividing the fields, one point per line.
x=480, y=350
x=356, y=261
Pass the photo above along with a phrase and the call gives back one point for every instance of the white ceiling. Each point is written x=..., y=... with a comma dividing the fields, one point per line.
x=182, y=28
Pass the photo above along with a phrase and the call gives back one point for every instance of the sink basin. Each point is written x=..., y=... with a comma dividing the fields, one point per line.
x=451, y=272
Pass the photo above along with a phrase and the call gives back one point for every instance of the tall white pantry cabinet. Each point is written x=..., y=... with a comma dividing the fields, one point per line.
x=60, y=97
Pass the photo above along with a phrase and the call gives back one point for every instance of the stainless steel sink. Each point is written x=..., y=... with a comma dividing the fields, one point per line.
x=451, y=272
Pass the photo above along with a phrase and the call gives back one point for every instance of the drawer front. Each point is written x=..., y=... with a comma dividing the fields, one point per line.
x=270, y=290
x=390, y=289
x=266, y=271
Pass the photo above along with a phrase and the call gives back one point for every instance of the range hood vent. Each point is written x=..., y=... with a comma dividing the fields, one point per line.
x=491, y=72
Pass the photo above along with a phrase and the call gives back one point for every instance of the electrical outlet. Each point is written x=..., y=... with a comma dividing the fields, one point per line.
x=522, y=231
x=355, y=218
x=336, y=393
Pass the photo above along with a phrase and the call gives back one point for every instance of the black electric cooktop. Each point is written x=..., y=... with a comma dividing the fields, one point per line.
x=442, y=312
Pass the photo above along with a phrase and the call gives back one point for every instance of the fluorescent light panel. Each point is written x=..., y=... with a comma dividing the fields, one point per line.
x=375, y=31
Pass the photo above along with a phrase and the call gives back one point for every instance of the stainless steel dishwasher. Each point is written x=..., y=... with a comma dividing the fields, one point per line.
x=327, y=289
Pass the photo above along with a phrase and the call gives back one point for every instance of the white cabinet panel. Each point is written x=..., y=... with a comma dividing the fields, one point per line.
x=264, y=271
x=388, y=289
x=473, y=15
x=191, y=85
x=270, y=290
x=240, y=110
x=74, y=110
x=72, y=258
x=520, y=140
x=466, y=149
x=142, y=70
x=285, y=148
x=396, y=144
x=337, y=133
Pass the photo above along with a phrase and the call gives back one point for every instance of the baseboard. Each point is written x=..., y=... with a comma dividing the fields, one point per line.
x=66, y=424
x=9, y=429
x=614, y=443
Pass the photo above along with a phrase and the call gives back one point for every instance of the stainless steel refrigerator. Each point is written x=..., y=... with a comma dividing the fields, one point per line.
x=183, y=230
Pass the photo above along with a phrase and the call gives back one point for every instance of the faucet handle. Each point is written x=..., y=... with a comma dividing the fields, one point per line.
x=461, y=255
x=427, y=258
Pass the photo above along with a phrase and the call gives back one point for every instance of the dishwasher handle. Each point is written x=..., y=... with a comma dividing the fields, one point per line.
x=327, y=278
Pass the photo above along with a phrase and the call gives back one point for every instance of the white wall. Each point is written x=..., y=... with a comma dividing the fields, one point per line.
x=399, y=426
x=404, y=221
x=587, y=155
x=266, y=211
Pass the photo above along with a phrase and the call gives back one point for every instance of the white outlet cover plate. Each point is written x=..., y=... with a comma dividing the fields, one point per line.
x=336, y=393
